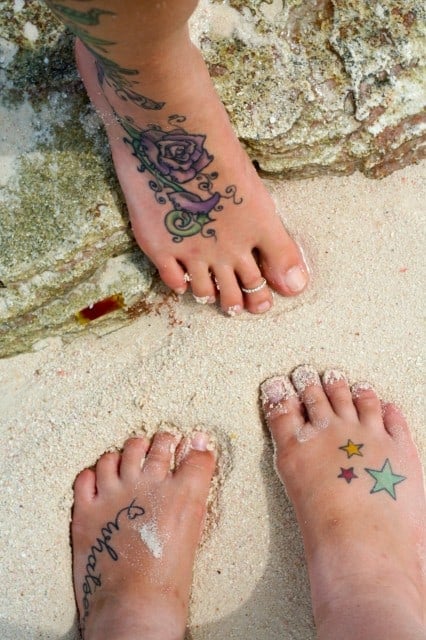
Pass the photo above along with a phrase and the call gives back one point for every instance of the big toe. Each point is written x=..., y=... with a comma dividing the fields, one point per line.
x=196, y=463
x=283, y=265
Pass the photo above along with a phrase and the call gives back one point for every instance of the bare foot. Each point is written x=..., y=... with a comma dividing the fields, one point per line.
x=197, y=207
x=135, y=529
x=355, y=479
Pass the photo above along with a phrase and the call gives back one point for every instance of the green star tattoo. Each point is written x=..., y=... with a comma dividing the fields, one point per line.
x=385, y=479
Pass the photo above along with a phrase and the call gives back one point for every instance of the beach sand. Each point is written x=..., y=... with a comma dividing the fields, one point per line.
x=188, y=366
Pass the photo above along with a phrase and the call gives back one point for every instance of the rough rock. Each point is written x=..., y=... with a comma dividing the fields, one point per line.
x=322, y=86
x=65, y=244
x=311, y=86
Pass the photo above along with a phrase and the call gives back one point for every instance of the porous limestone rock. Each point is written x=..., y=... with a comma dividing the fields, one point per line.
x=311, y=86
x=65, y=243
x=321, y=86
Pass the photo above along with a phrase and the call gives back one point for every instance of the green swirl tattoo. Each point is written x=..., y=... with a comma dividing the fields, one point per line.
x=172, y=159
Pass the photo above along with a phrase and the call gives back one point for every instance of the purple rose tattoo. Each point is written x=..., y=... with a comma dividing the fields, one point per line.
x=176, y=154
x=174, y=158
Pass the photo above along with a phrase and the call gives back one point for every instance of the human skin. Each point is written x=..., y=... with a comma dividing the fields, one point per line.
x=197, y=206
x=135, y=529
x=354, y=477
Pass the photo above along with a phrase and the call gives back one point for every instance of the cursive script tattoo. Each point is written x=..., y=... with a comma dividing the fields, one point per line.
x=93, y=579
x=109, y=71
x=175, y=158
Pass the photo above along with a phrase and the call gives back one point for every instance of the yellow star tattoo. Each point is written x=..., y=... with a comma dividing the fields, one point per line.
x=352, y=449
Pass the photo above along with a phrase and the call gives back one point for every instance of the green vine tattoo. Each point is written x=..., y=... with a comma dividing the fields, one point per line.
x=110, y=72
x=174, y=158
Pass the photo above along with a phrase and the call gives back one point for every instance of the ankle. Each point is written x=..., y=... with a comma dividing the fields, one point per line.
x=370, y=607
x=125, y=618
x=380, y=617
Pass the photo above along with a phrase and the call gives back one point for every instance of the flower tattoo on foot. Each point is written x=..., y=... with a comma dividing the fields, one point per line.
x=175, y=158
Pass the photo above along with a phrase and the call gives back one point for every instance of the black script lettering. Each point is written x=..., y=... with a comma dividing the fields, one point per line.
x=92, y=580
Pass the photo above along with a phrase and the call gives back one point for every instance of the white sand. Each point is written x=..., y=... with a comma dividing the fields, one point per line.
x=61, y=407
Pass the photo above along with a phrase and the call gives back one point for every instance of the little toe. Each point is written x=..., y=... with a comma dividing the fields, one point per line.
x=257, y=295
x=395, y=422
x=132, y=458
x=231, y=297
x=337, y=389
x=84, y=487
x=196, y=466
x=282, y=410
x=310, y=390
x=107, y=472
x=172, y=274
x=160, y=455
x=368, y=405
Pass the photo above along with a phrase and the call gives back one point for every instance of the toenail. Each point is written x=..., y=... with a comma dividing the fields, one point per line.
x=204, y=299
x=358, y=388
x=305, y=376
x=265, y=306
x=277, y=389
x=234, y=311
x=295, y=279
x=180, y=291
x=200, y=441
x=331, y=376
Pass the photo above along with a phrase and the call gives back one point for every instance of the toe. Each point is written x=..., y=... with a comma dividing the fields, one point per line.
x=395, y=422
x=196, y=467
x=132, y=458
x=203, y=288
x=158, y=461
x=231, y=298
x=250, y=277
x=107, y=472
x=84, y=487
x=308, y=385
x=337, y=389
x=172, y=274
x=282, y=410
x=282, y=263
x=368, y=405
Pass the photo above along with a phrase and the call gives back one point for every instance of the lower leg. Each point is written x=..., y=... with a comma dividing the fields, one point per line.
x=355, y=479
x=197, y=206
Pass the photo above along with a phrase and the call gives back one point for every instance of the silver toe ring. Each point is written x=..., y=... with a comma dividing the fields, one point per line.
x=255, y=289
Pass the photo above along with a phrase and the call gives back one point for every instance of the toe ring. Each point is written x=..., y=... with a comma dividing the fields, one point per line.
x=255, y=289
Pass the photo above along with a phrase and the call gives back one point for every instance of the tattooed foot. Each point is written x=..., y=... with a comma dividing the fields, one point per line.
x=354, y=477
x=197, y=207
x=135, y=529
